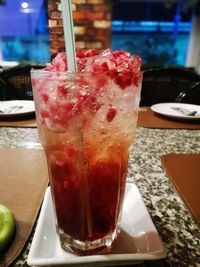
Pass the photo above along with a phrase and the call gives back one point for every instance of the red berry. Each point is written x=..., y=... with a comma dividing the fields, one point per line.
x=124, y=79
x=91, y=53
x=118, y=54
x=104, y=67
x=62, y=90
x=111, y=114
x=45, y=97
x=80, y=54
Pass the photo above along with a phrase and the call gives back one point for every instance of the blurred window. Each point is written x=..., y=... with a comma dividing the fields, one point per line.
x=156, y=30
x=24, y=36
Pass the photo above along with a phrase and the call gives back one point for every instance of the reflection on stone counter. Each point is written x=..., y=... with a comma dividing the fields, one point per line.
x=178, y=231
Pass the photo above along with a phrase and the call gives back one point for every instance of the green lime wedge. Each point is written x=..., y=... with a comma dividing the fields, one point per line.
x=7, y=226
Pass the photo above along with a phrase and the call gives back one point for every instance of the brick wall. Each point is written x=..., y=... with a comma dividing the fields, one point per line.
x=92, y=24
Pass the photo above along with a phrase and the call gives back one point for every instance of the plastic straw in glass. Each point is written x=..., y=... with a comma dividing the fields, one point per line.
x=69, y=35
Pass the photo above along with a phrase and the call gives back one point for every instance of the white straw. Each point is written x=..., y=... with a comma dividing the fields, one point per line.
x=69, y=35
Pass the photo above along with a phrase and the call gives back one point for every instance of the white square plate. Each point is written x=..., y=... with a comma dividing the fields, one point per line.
x=138, y=240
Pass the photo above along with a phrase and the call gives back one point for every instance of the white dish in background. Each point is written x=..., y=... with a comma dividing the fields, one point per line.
x=167, y=109
x=16, y=108
x=138, y=240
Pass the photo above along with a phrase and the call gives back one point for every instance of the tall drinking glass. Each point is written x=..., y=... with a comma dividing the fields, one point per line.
x=86, y=124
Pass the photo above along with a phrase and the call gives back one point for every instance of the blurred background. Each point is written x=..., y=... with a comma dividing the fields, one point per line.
x=24, y=35
x=162, y=32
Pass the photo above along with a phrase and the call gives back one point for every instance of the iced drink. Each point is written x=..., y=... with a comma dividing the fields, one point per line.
x=86, y=122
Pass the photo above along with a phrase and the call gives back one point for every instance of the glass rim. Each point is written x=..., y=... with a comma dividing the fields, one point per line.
x=43, y=71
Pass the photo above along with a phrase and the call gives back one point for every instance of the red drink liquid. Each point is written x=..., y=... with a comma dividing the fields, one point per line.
x=87, y=197
x=86, y=123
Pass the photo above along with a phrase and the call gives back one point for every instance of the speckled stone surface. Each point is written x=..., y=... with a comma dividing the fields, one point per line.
x=178, y=231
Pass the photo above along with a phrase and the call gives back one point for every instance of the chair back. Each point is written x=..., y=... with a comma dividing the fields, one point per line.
x=161, y=85
x=15, y=83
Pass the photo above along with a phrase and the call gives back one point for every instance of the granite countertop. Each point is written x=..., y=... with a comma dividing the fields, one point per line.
x=176, y=227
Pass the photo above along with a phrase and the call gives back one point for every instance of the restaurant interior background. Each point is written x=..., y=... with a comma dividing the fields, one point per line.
x=158, y=30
